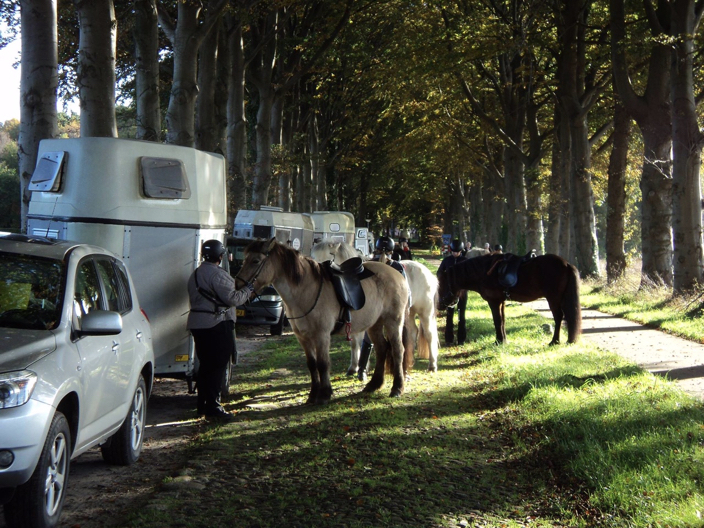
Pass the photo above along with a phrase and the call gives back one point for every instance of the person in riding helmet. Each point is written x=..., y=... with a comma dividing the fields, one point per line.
x=211, y=321
x=402, y=251
x=455, y=257
x=383, y=249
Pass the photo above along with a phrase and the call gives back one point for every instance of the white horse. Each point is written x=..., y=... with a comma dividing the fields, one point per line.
x=423, y=285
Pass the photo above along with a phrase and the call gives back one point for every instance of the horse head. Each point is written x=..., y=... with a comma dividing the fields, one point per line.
x=257, y=263
x=447, y=298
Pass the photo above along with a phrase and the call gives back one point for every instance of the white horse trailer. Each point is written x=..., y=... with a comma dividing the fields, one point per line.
x=153, y=204
x=334, y=226
x=293, y=229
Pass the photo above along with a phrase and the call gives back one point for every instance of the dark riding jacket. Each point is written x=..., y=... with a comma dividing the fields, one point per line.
x=450, y=261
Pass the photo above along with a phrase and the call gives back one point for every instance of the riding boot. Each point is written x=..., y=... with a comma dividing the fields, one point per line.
x=364, y=354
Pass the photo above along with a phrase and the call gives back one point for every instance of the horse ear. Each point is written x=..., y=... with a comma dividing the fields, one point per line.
x=271, y=245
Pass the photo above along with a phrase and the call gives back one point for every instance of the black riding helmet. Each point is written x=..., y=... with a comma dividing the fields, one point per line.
x=456, y=246
x=212, y=250
x=385, y=244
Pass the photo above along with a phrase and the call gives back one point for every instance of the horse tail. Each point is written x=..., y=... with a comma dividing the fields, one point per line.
x=423, y=343
x=571, y=308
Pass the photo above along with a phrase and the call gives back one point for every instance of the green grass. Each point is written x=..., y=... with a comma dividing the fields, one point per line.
x=514, y=435
x=649, y=304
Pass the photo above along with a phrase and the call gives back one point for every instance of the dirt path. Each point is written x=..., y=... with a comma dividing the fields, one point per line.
x=98, y=493
x=655, y=351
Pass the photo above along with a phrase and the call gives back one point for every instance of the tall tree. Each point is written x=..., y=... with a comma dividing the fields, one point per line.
x=186, y=34
x=616, y=200
x=146, y=42
x=651, y=110
x=578, y=91
x=95, y=76
x=38, y=84
x=687, y=141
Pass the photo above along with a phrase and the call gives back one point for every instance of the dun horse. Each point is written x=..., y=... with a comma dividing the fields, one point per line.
x=423, y=285
x=313, y=311
x=548, y=276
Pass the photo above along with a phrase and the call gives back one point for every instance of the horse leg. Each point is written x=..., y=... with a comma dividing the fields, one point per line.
x=395, y=338
x=461, y=321
x=428, y=337
x=497, y=313
x=556, y=310
x=355, y=346
x=381, y=346
x=313, y=369
x=323, y=365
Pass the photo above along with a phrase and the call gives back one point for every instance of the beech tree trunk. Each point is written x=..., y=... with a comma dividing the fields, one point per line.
x=573, y=21
x=616, y=199
x=652, y=113
x=146, y=40
x=686, y=152
x=236, y=123
x=95, y=76
x=38, y=83
x=186, y=35
x=206, y=126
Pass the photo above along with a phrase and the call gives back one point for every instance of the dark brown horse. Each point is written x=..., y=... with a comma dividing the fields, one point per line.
x=548, y=276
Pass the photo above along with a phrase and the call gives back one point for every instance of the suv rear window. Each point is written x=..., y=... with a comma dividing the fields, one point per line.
x=31, y=291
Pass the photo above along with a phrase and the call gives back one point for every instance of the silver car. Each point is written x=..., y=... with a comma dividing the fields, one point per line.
x=76, y=369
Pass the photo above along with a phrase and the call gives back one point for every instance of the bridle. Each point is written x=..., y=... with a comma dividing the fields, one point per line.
x=259, y=270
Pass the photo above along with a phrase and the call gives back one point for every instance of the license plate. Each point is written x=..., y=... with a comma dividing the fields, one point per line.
x=181, y=358
x=240, y=313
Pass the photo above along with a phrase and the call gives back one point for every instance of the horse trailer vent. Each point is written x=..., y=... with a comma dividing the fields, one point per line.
x=47, y=174
x=48, y=233
x=164, y=178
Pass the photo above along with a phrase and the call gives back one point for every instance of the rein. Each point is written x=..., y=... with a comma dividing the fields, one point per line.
x=317, y=298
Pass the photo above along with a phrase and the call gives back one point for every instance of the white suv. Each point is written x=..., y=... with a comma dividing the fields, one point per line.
x=76, y=369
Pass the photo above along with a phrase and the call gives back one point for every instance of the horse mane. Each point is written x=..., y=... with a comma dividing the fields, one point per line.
x=292, y=262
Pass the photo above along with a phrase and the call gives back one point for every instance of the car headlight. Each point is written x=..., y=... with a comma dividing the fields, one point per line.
x=270, y=298
x=16, y=388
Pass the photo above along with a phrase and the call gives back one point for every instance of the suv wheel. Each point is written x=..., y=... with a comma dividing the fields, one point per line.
x=39, y=501
x=124, y=447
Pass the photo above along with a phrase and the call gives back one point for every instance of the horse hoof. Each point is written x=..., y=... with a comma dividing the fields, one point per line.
x=351, y=372
x=362, y=376
x=396, y=393
x=432, y=369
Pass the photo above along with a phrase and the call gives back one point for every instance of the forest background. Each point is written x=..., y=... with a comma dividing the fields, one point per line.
x=566, y=126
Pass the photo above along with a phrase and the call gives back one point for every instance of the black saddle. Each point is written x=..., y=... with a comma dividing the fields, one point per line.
x=346, y=279
x=507, y=269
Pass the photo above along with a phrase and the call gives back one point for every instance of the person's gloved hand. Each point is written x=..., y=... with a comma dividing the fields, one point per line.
x=250, y=288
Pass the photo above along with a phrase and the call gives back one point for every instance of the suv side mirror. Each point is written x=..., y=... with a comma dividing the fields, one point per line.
x=100, y=322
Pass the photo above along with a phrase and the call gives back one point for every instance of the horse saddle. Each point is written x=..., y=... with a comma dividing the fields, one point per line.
x=507, y=268
x=346, y=279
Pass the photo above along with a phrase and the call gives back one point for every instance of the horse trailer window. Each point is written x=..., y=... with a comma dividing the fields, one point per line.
x=260, y=231
x=47, y=174
x=164, y=178
x=334, y=227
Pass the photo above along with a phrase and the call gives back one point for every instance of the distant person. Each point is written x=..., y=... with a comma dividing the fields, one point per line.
x=454, y=258
x=383, y=252
x=401, y=250
x=498, y=248
x=213, y=296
